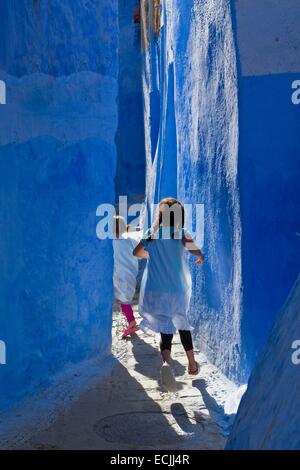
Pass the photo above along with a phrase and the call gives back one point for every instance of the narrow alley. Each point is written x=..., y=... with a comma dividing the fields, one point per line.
x=127, y=408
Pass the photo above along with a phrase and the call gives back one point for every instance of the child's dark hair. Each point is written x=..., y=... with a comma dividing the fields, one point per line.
x=170, y=210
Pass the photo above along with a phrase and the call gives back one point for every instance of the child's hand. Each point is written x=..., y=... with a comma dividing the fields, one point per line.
x=200, y=260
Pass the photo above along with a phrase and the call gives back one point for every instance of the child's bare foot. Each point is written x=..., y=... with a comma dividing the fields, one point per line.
x=132, y=324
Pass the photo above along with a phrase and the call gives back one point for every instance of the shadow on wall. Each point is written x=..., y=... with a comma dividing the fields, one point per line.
x=130, y=139
x=269, y=170
x=216, y=411
x=266, y=418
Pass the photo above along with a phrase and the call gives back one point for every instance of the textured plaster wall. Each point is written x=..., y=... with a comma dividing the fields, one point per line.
x=57, y=164
x=269, y=174
x=267, y=40
x=191, y=116
x=221, y=129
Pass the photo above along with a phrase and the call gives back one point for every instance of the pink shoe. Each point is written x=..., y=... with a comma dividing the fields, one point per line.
x=130, y=331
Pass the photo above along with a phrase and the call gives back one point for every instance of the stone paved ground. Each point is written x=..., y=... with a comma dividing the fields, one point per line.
x=127, y=409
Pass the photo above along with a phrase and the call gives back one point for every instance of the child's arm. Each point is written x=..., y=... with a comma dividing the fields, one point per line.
x=192, y=248
x=140, y=251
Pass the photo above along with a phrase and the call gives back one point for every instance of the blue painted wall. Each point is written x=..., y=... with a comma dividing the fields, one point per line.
x=269, y=413
x=130, y=140
x=57, y=164
x=191, y=116
x=269, y=170
x=269, y=175
x=221, y=130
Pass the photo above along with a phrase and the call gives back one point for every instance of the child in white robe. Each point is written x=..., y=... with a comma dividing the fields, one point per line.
x=126, y=268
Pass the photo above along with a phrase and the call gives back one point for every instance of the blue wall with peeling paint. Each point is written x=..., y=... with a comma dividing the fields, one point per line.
x=57, y=164
x=191, y=117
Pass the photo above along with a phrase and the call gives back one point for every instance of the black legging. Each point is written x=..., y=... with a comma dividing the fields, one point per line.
x=185, y=337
